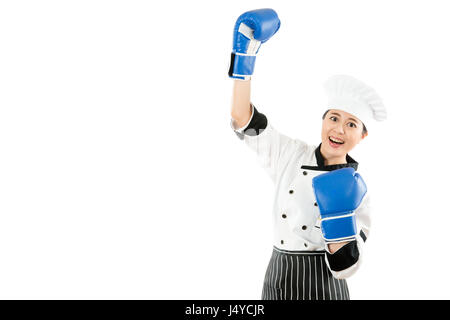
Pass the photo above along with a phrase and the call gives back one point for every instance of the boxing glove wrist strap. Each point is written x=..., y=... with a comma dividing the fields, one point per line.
x=242, y=65
x=339, y=228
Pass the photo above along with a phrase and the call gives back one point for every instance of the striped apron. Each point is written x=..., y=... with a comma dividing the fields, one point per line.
x=301, y=275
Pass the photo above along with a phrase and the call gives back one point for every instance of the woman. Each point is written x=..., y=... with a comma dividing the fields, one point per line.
x=321, y=208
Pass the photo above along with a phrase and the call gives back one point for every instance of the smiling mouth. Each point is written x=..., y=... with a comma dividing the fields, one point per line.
x=335, y=141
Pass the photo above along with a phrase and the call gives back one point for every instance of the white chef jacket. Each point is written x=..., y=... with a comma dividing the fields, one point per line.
x=291, y=164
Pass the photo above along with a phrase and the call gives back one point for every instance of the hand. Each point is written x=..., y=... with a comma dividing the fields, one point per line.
x=339, y=193
x=251, y=29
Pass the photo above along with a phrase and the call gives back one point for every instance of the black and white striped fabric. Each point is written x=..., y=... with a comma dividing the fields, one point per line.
x=301, y=275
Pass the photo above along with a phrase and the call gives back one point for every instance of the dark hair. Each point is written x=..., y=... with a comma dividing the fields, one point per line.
x=364, y=131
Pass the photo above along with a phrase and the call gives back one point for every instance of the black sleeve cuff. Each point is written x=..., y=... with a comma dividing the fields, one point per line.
x=344, y=258
x=257, y=125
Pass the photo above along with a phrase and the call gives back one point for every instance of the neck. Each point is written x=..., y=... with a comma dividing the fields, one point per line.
x=329, y=160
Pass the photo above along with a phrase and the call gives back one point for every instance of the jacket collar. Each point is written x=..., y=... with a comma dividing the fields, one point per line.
x=321, y=162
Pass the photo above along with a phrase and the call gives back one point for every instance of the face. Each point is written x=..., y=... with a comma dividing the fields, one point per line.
x=341, y=132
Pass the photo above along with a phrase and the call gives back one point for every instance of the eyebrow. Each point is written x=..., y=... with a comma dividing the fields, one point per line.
x=337, y=114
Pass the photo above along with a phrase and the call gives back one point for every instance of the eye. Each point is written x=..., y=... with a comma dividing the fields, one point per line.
x=333, y=118
x=352, y=125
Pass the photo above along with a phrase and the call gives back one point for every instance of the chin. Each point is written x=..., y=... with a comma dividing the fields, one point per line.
x=341, y=151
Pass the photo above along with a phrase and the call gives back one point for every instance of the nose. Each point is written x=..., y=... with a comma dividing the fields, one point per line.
x=339, y=128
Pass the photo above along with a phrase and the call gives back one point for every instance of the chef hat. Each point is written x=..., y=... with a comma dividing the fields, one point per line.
x=353, y=96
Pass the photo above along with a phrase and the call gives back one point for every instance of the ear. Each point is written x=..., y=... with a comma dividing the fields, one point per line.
x=365, y=135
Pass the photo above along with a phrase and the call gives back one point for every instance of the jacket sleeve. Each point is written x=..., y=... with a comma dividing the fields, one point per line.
x=347, y=260
x=272, y=148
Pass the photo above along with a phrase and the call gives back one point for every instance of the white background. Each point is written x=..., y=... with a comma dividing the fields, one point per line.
x=120, y=177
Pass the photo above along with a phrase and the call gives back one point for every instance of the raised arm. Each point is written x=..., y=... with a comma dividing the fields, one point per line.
x=251, y=29
x=241, y=110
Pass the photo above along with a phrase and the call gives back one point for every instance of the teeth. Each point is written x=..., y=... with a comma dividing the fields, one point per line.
x=336, y=141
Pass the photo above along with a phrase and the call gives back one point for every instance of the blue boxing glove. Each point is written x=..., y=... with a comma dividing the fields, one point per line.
x=339, y=193
x=251, y=29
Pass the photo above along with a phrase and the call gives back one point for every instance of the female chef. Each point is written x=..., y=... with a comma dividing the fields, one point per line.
x=321, y=206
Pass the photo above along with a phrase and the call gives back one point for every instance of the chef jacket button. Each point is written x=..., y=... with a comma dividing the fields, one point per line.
x=305, y=244
x=305, y=173
x=284, y=216
x=291, y=191
x=282, y=242
x=303, y=227
x=315, y=204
